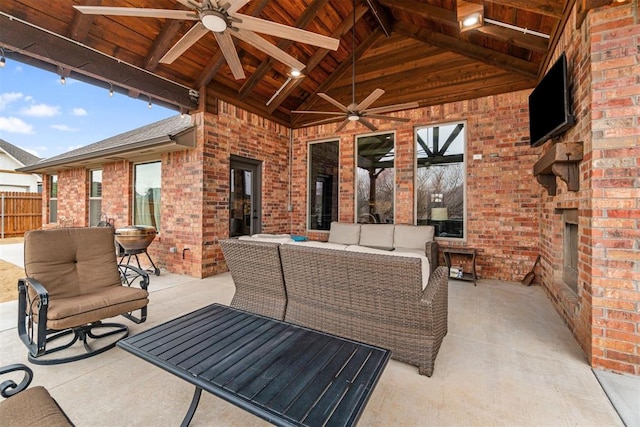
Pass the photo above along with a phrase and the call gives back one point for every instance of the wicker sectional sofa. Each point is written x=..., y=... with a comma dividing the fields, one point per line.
x=393, y=301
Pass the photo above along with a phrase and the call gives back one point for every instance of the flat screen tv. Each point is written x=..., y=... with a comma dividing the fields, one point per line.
x=550, y=105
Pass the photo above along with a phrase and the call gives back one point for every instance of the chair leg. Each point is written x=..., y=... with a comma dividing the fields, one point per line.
x=82, y=334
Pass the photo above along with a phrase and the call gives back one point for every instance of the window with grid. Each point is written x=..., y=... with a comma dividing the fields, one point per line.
x=440, y=178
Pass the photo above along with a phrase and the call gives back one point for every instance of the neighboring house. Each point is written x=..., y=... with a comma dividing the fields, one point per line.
x=226, y=172
x=12, y=158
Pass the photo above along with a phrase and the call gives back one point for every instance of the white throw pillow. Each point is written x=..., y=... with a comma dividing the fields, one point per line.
x=412, y=236
x=376, y=235
x=344, y=233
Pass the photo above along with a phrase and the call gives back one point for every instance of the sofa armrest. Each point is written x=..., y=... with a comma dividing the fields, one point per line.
x=436, y=296
x=431, y=251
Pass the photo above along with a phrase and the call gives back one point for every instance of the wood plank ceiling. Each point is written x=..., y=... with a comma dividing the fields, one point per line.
x=413, y=49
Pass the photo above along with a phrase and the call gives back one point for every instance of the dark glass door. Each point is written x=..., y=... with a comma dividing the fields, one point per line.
x=244, y=198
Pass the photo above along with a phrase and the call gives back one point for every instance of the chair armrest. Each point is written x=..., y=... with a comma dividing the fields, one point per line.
x=26, y=316
x=8, y=388
x=431, y=251
x=129, y=274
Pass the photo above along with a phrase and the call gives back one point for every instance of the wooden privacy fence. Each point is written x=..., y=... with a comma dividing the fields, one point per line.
x=19, y=212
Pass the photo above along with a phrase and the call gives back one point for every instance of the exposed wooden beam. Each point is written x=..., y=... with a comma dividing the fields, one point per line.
x=433, y=13
x=20, y=37
x=82, y=23
x=552, y=8
x=515, y=38
x=162, y=43
x=344, y=27
x=382, y=16
x=488, y=56
x=307, y=16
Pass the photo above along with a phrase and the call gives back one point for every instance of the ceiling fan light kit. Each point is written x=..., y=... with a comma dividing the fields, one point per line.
x=213, y=20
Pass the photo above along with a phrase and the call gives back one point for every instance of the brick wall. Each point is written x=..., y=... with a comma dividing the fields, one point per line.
x=195, y=188
x=73, y=210
x=615, y=188
x=502, y=194
x=604, y=313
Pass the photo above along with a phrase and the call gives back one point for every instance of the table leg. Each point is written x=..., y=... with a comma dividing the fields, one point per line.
x=192, y=407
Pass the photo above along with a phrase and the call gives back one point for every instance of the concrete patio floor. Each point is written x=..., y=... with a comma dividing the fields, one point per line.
x=508, y=359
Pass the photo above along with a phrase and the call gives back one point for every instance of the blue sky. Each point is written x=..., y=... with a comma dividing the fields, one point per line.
x=46, y=118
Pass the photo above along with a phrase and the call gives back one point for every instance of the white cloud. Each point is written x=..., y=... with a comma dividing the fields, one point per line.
x=41, y=110
x=79, y=112
x=32, y=151
x=15, y=125
x=73, y=147
x=8, y=97
x=64, y=128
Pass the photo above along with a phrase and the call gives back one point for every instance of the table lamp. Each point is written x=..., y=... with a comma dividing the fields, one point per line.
x=439, y=214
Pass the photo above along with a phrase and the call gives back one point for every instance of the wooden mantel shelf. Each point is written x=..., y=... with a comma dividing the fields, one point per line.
x=560, y=161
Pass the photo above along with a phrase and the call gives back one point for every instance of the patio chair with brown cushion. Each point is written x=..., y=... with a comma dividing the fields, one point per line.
x=73, y=283
x=32, y=407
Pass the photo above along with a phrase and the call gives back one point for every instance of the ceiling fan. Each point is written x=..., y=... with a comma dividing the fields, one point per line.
x=358, y=112
x=221, y=18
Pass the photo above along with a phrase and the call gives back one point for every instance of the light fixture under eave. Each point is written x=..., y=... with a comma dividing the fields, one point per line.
x=63, y=80
x=469, y=15
x=110, y=89
x=3, y=61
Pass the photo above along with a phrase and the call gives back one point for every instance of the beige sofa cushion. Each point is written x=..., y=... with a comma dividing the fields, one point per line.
x=376, y=235
x=317, y=244
x=412, y=236
x=272, y=238
x=426, y=268
x=344, y=233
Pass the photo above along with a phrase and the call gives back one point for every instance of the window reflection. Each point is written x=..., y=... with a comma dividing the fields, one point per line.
x=324, y=162
x=375, y=178
x=147, y=195
x=440, y=180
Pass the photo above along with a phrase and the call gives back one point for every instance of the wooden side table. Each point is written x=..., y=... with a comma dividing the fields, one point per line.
x=468, y=252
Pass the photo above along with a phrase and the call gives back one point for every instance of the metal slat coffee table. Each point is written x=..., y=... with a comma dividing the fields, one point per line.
x=283, y=373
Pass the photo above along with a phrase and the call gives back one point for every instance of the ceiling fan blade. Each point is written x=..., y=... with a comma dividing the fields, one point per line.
x=286, y=32
x=343, y=125
x=396, y=107
x=333, y=113
x=191, y=4
x=324, y=121
x=333, y=101
x=373, y=97
x=138, y=12
x=383, y=117
x=236, y=5
x=368, y=124
x=193, y=35
x=230, y=54
x=276, y=53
